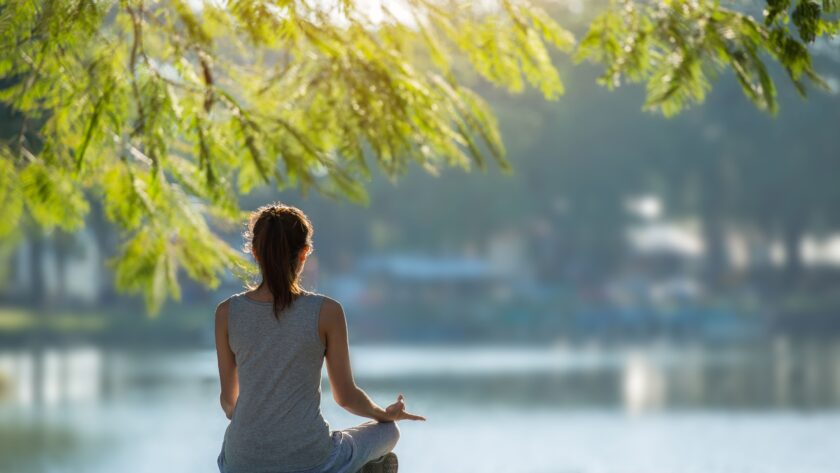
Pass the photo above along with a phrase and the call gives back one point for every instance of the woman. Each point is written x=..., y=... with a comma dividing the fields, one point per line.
x=271, y=343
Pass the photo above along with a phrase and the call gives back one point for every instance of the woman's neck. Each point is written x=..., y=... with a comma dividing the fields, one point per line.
x=263, y=294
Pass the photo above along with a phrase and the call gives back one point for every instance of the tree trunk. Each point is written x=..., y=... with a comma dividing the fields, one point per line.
x=715, y=262
x=61, y=247
x=37, y=280
x=105, y=245
x=792, y=240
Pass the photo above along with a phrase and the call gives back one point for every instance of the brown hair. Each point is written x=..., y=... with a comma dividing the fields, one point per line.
x=277, y=233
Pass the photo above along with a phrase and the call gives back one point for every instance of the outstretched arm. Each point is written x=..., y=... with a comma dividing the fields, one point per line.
x=332, y=326
x=227, y=363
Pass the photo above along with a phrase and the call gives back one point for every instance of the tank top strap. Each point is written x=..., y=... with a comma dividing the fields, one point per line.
x=312, y=312
x=234, y=305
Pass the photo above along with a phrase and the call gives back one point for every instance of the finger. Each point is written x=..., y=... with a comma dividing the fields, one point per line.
x=408, y=416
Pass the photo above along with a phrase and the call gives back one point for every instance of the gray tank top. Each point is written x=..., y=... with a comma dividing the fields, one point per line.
x=276, y=424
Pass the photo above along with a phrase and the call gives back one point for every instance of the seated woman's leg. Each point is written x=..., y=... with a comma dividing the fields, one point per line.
x=371, y=440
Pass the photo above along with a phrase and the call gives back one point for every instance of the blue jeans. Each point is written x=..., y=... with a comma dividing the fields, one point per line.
x=351, y=449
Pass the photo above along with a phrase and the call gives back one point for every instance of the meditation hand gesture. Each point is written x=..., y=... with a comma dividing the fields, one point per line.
x=396, y=411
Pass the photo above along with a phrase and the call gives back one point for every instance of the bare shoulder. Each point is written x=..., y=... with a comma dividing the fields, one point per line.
x=331, y=312
x=222, y=310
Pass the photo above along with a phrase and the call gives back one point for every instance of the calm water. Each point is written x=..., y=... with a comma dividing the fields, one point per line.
x=662, y=407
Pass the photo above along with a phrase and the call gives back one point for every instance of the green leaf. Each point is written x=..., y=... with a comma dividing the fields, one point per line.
x=11, y=200
x=52, y=197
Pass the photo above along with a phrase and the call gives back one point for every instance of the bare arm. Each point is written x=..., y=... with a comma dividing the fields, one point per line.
x=332, y=326
x=227, y=363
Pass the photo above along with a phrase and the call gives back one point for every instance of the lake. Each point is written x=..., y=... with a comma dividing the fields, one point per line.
x=668, y=407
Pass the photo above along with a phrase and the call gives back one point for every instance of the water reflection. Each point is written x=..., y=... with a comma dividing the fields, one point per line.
x=778, y=374
x=52, y=376
x=643, y=383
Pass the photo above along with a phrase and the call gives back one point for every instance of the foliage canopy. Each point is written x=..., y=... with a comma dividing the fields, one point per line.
x=165, y=110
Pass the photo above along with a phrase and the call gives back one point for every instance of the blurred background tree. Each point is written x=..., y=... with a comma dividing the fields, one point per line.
x=156, y=115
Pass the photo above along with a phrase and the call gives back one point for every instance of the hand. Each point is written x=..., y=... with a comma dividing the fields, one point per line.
x=396, y=411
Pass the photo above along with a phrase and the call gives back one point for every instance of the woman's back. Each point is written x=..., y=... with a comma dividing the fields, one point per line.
x=277, y=423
